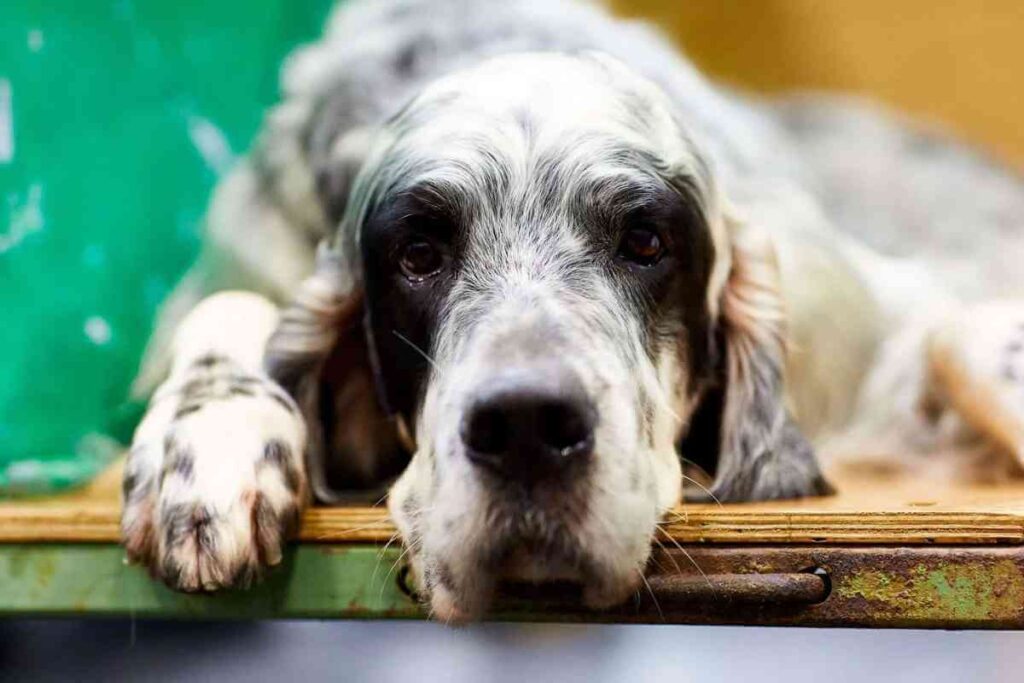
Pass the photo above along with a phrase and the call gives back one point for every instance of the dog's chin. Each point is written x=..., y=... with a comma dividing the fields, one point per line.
x=524, y=564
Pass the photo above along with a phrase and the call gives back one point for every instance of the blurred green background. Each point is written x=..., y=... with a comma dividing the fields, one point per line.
x=116, y=119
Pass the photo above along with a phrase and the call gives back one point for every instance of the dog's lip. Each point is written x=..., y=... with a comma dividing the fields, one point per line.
x=526, y=564
x=527, y=577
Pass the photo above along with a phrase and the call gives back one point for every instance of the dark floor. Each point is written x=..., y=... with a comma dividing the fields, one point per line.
x=300, y=652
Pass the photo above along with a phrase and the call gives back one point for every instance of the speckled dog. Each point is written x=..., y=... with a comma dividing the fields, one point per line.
x=529, y=259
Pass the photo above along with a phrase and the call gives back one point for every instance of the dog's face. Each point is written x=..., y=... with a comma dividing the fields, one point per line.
x=550, y=291
x=537, y=261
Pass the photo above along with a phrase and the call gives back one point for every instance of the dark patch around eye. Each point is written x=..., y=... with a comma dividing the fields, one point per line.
x=409, y=247
x=668, y=287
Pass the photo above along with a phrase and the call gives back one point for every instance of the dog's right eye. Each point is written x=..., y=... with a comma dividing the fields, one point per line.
x=641, y=246
x=419, y=259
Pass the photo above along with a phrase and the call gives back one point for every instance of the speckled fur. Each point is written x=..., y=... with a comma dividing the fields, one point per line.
x=844, y=239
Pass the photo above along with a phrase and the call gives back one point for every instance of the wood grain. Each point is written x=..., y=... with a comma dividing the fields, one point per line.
x=869, y=510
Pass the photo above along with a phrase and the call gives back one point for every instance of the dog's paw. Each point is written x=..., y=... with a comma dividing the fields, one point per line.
x=215, y=482
x=976, y=366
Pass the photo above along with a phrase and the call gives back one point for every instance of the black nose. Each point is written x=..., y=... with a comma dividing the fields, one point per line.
x=529, y=425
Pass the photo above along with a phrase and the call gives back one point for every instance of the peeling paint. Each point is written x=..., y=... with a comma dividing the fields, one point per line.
x=969, y=594
x=6, y=123
x=211, y=143
x=35, y=40
x=23, y=217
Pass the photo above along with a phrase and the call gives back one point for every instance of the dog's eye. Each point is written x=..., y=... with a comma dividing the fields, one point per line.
x=419, y=259
x=641, y=246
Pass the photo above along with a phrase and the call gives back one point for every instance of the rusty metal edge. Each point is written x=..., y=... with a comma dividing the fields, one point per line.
x=880, y=587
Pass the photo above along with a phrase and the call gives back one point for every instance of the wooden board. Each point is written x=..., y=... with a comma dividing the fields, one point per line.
x=869, y=510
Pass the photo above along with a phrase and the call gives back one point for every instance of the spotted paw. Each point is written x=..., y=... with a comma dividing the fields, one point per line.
x=215, y=481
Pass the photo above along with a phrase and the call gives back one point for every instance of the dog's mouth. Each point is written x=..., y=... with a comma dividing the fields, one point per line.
x=525, y=562
x=554, y=566
x=527, y=580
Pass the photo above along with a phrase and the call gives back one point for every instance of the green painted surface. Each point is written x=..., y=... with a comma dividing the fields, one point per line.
x=116, y=119
x=313, y=581
x=968, y=594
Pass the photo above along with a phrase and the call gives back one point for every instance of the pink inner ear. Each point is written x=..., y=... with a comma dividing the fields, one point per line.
x=753, y=310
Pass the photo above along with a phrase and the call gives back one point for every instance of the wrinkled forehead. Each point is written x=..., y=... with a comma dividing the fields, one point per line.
x=529, y=117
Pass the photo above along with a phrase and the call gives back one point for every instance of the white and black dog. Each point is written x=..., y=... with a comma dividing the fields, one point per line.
x=530, y=263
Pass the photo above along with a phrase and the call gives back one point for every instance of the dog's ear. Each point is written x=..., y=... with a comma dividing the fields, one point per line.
x=320, y=355
x=761, y=453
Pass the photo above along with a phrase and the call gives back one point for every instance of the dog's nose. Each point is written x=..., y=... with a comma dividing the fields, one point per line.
x=528, y=425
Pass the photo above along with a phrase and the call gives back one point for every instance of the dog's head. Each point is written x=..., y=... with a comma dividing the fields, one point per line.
x=553, y=295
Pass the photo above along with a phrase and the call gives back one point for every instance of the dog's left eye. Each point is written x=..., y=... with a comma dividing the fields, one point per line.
x=641, y=246
x=419, y=259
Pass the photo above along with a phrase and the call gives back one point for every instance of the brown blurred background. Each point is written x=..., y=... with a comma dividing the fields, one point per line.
x=957, y=62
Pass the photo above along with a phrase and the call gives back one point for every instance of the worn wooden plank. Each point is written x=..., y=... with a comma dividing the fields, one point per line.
x=869, y=510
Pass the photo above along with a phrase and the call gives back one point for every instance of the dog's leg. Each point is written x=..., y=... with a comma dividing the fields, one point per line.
x=215, y=481
x=976, y=366
x=249, y=244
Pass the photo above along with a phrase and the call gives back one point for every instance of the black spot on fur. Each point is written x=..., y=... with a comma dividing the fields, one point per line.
x=1009, y=373
x=278, y=454
x=128, y=486
x=410, y=507
x=176, y=520
x=443, y=576
x=186, y=409
x=171, y=571
x=283, y=401
x=240, y=389
x=210, y=360
x=178, y=460
x=405, y=61
x=202, y=523
x=135, y=485
x=645, y=410
x=197, y=386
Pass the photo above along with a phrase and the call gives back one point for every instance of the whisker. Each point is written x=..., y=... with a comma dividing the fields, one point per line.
x=650, y=591
x=375, y=523
x=667, y=553
x=662, y=398
x=694, y=563
x=683, y=516
x=416, y=348
x=380, y=557
x=692, y=463
x=384, y=583
x=703, y=488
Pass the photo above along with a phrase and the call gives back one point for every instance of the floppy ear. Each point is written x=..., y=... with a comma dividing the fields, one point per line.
x=762, y=454
x=320, y=355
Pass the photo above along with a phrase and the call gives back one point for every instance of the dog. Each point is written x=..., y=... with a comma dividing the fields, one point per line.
x=523, y=261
